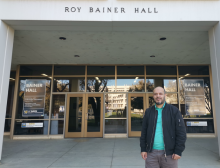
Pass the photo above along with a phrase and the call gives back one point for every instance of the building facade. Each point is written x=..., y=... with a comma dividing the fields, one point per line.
x=73, y=69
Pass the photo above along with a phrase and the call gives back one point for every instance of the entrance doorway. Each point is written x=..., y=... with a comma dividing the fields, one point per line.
x=84, y=115
x=137, y=104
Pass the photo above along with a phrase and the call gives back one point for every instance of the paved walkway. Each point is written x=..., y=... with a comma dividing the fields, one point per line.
x=99, y=153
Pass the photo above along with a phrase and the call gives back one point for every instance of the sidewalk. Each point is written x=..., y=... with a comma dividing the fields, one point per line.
x=99, y=153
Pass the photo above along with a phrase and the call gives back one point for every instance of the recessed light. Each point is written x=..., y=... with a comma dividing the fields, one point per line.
x=76, y=56
x=163, y=38
x=152, y=56
x=62, y=38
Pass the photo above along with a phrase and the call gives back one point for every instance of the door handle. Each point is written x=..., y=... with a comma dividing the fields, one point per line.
x=87, y=116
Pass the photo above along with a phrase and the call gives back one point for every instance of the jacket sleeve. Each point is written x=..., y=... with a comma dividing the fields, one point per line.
x=144, y=133
x=180, y=131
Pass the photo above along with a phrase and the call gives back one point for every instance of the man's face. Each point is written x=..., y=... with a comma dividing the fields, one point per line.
x=159, y=96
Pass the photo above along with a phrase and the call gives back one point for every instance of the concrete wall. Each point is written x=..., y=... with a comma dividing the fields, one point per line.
x=214, y=40
x=121, y=10
x=6, y=46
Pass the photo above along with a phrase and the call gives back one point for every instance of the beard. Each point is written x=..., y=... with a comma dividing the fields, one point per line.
x=160, y=102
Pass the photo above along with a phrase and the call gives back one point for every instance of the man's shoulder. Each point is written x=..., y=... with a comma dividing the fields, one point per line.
x=172, y=108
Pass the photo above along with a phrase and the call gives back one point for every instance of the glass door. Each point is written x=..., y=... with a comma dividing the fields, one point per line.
x=137, y=104
x=84, y=115
x=94, y=115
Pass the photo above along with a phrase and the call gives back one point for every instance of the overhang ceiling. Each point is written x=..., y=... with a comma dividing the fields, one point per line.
x=110, y=47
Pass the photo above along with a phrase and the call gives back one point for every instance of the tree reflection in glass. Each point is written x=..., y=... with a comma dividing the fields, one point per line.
x=137, y=113
x=99, y=84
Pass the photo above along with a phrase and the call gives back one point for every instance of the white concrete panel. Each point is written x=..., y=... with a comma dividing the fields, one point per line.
x=214, y=41
x=6, y=46
x=55, y=10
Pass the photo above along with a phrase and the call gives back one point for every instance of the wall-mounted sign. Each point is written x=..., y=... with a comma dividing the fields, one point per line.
x=197, y=123
x=32, y=125
x=194, y=97
x=34, y=98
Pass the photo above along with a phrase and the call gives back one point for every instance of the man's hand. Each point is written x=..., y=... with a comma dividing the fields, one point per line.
x=144, y=155
x=176, y=157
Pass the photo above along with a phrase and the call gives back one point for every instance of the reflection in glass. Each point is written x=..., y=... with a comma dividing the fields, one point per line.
x=151, y=101
x=99, y=84
x=93, y=114
x=137, y=112
x=113, y=126
x=21, y=97
x=67, y=84
x=7, y=125
x=75, y=114
x=207, y=95
x=169, y=84
x=200, y=129
x=56, y=127
x=32, y=130
x=172, y=99
x=115, y=106
x=133, y=84
x=58, y=106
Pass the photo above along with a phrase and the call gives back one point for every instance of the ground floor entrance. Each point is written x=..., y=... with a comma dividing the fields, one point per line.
x=84, y=115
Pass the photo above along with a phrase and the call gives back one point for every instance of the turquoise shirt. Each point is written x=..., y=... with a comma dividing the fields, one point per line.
x=158, y=138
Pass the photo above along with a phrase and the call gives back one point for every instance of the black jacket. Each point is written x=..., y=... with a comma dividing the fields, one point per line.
x=174, y=130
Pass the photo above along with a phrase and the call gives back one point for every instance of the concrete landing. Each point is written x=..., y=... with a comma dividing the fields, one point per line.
x=99, y=153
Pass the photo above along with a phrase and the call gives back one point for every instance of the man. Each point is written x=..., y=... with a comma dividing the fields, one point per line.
x=163, y=133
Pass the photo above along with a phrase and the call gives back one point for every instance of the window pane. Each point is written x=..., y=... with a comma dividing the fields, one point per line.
x=172, y=99
x=130, y=70
x=7, y=125
x=207, y=99
x=69, y=70
x=137, y=112
x=58, y=106
x=113, y=126
x=200, y=129
x=94, y=113
x=161, y=70
x=21, y=97
x=115, y=106
x=169, y=84
x=99, y=84
x=35, y=70
x=193, y=70
x=151, y=101
x=133, y=84
x=56, y=127
x=75, y=114
x=65, y=84
x=21, y=129
x=10, y=99
x=100, y=70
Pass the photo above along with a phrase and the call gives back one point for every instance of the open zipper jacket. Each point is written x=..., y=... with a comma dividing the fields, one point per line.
x=174, y=130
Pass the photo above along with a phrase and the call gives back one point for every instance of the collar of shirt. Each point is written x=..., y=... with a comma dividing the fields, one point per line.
x=160, y=108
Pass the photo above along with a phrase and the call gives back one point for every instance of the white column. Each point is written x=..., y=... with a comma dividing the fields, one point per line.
x=214, y=43
x=6, y=46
